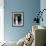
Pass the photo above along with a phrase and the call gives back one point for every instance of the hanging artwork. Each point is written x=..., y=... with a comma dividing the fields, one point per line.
x=17, y=19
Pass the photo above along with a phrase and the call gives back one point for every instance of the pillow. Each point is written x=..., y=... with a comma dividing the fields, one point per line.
x=21, y=42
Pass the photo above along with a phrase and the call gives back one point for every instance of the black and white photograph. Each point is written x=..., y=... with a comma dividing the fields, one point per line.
x=17, y=18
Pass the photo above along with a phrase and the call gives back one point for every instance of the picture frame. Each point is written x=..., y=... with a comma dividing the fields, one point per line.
x=17, y=19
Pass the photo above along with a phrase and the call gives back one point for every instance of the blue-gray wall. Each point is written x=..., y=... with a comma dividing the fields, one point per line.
x=29, y=7
x=43, y=6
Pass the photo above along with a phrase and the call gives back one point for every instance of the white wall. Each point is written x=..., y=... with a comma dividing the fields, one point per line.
x=1, y=20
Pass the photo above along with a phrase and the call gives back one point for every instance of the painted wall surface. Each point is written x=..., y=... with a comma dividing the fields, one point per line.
x=43, y=6
x=1, y=20
x=29, y=7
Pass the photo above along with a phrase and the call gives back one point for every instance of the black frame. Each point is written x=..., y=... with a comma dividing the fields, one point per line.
x=22, y=14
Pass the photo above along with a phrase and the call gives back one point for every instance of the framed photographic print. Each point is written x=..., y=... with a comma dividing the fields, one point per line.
x=17, y=19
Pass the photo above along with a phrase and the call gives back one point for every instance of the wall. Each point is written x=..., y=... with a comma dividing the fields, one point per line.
x=29, y=7
x=1, y=20
x=43, y=6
